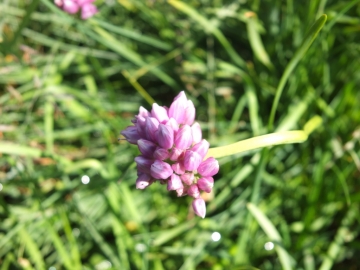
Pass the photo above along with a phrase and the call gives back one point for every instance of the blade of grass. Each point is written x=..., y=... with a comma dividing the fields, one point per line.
x=273, y=234
x=49, y=124
x=299, y=54
x=209, y=27
x=32, y=249
x=255, y=41
x=133, y=35
x=340, y=238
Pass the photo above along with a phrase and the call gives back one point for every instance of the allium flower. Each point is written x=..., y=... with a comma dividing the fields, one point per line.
x=172, y=150
x=73, y=6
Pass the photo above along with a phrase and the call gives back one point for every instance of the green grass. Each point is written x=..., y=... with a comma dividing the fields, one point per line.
x=68, y=87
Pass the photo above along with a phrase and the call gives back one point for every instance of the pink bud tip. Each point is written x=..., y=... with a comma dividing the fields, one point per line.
x=189, y=113
x=199, y=207
x=193, y=191
x=178, y=107
x=183, y=138
x=196, y=132
x=70, y=6
x=192, y=160
x=159, y=113
x=209, y=167
x=206, y=184
x=87, y=11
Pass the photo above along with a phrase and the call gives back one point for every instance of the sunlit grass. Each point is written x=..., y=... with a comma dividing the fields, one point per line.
x=68, y=87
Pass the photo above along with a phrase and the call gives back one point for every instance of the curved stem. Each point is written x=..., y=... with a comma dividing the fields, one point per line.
x=285, y=137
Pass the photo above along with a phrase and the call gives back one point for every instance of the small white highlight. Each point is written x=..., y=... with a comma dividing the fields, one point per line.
x=52, y=268
x=103, y=265
x=215, y=236
x=85, y=179
x=269, y=246
x=140, y=247
x=76, y=232
x=1, y=187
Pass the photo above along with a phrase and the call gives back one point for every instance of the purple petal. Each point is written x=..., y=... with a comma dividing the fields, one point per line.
x=143, y=164
x=131, y=134
x=160, y=170
x=146, y=147
x=165, y=136
x=174, y=183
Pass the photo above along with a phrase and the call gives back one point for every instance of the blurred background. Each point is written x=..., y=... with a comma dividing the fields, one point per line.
x=69, y=86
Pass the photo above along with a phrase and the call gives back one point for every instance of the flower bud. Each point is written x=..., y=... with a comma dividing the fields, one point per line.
x=159, y=113
x=146, y=147
x=201, y=148
x=143, y=164
x=181, y=191
x=151, y=126
x=206, y=184
x=177, y=108
x=143, y=181
x=199, y=207
x=174, y=183
x=131, y=134
x=144, y=112
x=183, y=138
x=176, y=154
x=178, y=168
x=173, y=124
x=88, y=10
x=160, y=170
x=189, y=113
x=70, y=6
x=208, y=167
x=196, y=132
x=187, y=178
x=192, y=160
x=193, y=191
x=165, y=136
x=161, y=154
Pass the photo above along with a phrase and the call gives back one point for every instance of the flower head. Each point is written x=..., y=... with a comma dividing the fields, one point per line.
x=73, y=6
x=173, y=150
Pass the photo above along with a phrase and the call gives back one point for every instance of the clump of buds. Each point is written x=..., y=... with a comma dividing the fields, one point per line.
x=74, y=6
x=173, y=151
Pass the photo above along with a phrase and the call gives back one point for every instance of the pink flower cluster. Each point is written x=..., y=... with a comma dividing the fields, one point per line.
x=173, y=151
x=73, y=6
